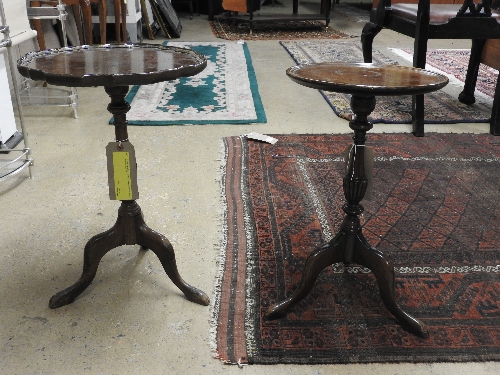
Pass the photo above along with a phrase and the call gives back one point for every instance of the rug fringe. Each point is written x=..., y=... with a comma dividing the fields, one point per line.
x=221, y=258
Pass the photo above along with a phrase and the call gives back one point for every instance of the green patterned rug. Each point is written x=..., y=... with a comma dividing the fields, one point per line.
x=440, y=107
x=226, y=92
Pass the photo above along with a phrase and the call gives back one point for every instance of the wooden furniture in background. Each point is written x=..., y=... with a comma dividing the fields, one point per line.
x=128, y=17
x=101, y=6
x=425, y=21
x=120, y=8
x=191, y=7
x=85, y=30
x=249, y=6
x=491, y=58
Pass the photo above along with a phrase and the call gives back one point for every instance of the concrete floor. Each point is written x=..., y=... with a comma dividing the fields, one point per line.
x=132, y=319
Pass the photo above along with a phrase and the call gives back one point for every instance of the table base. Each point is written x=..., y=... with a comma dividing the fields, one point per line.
x=129, y=229
x=338, y=250
x=349, y=245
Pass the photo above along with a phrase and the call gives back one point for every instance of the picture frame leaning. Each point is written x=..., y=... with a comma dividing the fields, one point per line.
x=169, y=17
x=150, y=18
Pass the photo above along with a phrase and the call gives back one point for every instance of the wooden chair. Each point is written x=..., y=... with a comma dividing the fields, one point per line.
x=85, y=30
x=120, y=7
x=87, y=18
x=191, y=8
x=491, y=58
x=423, y=21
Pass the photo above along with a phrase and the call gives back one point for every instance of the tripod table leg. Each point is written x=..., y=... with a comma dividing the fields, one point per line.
x=383, y=270
x=95, y=249
x=157, y=243
x=316, y=262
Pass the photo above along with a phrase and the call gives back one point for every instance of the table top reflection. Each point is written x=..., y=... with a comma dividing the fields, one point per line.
x=111, y=65
x=367, y=78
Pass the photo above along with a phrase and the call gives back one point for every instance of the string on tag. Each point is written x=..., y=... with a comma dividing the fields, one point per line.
x=120, y=146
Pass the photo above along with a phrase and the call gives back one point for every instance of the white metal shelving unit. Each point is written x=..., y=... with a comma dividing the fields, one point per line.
x=33, y=93
x=14, y=159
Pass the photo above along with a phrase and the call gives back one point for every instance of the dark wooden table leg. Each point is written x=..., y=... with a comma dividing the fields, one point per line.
x=129, y=229
x=95, y=249
x=211, y=11
x=349, y=245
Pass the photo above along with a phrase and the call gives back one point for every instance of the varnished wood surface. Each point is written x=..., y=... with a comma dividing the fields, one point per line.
x=366, y=78
x=111, y=65
x=491, y=54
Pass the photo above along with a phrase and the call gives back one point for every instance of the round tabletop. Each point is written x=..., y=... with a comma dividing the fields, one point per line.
x=367, y=79
x=111, y=65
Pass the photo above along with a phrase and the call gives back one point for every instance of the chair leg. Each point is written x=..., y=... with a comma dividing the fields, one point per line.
x=87, y=20
x=102, y=20
x=37, y=25
x=467, y=95
x=124, y=21
x=118, y=10
x=370, y=31
x=418, y=113
x=76, y=13
x=495, y=112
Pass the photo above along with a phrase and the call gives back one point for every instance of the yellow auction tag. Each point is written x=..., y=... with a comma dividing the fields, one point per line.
x=121, y=175
x=122, y=171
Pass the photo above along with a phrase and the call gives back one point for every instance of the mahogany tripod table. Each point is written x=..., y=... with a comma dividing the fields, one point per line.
x=116, y=67
x=363, y=82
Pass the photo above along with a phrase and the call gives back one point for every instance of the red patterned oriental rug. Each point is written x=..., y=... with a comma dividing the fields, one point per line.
x=434, y=210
